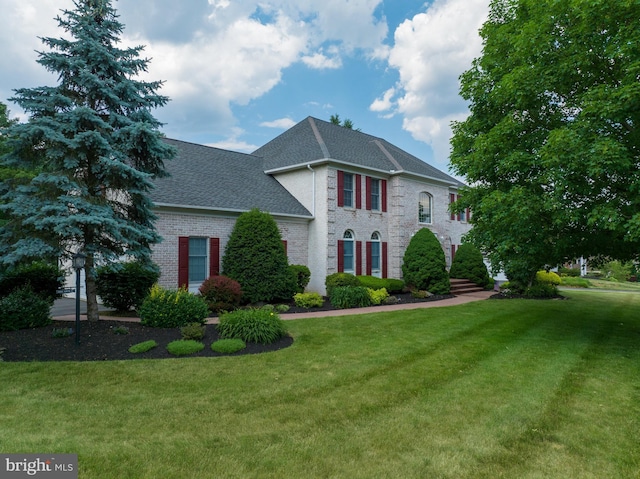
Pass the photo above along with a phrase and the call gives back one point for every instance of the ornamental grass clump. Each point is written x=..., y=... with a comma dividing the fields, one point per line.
x=143, y=347
x=165, y=308
x=344, y=297
x=252, y=326
x=184, y=347
x=228, y=346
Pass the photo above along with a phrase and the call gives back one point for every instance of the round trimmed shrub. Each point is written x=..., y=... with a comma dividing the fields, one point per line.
x=255, y=257
x=424, y=266
x=547, y=277
x=124, y=286
x=252, y=326
x=221, y=293
x=469, y=264
x=165, y=308
x=302, y=274
x=340, y=279
x=22, y=309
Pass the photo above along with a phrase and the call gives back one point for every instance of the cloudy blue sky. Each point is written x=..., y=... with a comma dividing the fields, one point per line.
x=239, y=72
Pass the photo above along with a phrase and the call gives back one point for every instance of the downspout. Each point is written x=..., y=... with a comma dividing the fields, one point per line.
x=313, y=189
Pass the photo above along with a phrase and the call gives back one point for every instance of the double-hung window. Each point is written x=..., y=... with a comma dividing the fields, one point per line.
x=424, y=208
x=348, y=256
x=376, y=269
x=348, y=190
x=375, y=194
x=197, y=260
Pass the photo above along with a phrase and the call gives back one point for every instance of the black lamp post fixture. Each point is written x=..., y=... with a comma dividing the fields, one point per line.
x=78, y=264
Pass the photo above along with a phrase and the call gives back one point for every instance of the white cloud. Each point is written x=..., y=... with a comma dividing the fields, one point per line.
x=233, y=143
x=281, y=123
x=320, y=61
x=430, y=52
x=384, y=103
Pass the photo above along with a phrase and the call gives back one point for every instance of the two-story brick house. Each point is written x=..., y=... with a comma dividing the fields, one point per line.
x=343, y=200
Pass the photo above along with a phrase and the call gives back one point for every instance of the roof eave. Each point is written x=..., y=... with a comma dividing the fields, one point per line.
x=233, y=211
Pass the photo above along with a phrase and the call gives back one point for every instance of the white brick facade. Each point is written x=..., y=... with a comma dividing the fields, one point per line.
x=315, y=242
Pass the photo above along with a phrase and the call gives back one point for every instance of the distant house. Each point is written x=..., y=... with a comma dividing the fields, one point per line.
x=343, y=201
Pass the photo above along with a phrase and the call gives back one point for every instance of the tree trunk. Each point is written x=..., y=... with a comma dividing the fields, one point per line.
x=90, y=283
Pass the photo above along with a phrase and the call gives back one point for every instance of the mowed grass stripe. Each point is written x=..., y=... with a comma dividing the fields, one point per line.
x=491, y=389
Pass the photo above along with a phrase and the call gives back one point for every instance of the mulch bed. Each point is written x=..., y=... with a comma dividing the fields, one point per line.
x=100, y=342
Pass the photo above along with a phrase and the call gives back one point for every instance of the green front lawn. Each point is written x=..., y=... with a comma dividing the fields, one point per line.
x=505, y=388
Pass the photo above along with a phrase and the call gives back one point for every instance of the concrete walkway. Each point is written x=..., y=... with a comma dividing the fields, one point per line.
x=461, y=299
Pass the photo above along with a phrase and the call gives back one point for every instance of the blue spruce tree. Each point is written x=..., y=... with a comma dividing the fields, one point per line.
x=96, y=146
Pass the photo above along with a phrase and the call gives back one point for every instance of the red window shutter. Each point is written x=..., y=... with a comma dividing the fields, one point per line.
x=452, y=199
x=284, y=244
x=383, y=193
x=340, y=188
x=183, y=261
x=214, y=256
x=358, y=191
x=368, y=193
x=340, y=256
x=453, y=251
x=385, y=254
x=468, y=214
x=358, y=258
x=369, y=269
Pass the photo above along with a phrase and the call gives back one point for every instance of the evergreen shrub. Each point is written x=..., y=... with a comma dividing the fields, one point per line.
x=252, y=326
x=350, y=297
x=302, y=274
x=424, y=264
x=193, y=331
x=221, y=293
x=340, y=279
x=255, y=257
x=22, y=309
x=393, y=286
x=43, y=278
x=541, y=290
x=165, y=308
x=308, y=300
x=124, y=286
x=469, y=264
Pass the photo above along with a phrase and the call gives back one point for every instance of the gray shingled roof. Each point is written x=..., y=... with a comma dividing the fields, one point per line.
x=212, y=178
x=312, y=140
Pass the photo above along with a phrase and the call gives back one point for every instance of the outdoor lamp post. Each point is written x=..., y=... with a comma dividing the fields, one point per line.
x=78, y=263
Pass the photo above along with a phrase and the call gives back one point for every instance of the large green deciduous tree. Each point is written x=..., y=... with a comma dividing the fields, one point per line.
x=551, y=148
x=97, y=148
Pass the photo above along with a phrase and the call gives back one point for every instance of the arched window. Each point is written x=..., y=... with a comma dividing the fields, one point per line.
x=375, y=256
x=348, y=250
x=425, y=205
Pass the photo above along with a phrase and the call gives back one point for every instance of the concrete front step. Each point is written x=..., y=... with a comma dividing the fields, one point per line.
x=464, y=286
